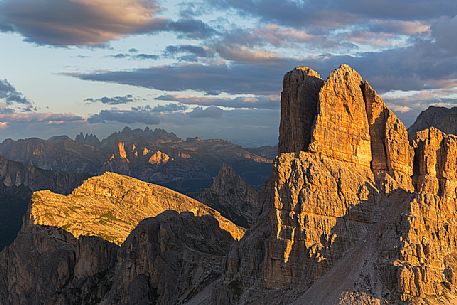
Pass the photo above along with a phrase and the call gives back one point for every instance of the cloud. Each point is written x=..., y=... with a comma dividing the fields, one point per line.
x=334, y=13
x=125, y=116
x=243, y=54
x=78, y=22
x=249, y=102
x=36, y=117
x=211, y=112
x=399, y=26
x=140, y=114
x=190, y=28
x=116, y=100
x=409, y=68
x=264, y=79
x=91, y=22
x=161, y=108
x=12, y=100
x=188, y=52
x=134, y=56
x=193, y=9
x=10, y=95
x=143, y=56
x=408, y=105
x=444, y=33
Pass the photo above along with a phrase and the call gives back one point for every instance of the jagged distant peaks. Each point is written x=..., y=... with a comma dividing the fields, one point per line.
x=89, y=139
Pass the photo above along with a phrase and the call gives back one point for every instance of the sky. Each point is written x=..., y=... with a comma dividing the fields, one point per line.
x=210, y=68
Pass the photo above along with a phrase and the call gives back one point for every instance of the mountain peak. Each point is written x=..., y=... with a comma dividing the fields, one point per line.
x=355, y=213
x=232, y=196
x=111, y=205
x=442, y=118
x=345, y=119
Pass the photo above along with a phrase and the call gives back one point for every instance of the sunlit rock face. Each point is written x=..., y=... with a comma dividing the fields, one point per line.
x=355, y=213
x=110, y=206
x=115, y=240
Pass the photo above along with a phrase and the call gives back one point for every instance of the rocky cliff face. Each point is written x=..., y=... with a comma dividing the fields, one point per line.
x=16, y=174
x=356, y=215
x=165, y=260
x=232, y=197
x=17, y=182
x=445, y=119
x=169, y=260
x=98, y=246
x=298, y=108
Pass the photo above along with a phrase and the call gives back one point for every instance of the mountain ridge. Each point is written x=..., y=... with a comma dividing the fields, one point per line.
x=192, y=163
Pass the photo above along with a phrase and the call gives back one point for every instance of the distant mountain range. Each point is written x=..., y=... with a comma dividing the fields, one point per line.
x=154, y=156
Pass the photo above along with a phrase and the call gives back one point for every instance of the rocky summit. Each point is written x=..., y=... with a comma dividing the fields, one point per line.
x=357, y=212
x=232, y=196
x=445, y=119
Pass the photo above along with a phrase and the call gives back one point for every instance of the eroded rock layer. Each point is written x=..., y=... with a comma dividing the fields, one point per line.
x=356, y=216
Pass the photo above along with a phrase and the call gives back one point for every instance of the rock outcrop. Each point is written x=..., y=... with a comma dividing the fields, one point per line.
x=16, y=174
x=232, y=197
x=111, y=206
x=165, y=260
x=298, y=108
x=355, y=215
x=159, y=158
x=169, y=260
x=436, y=167
x=88, y=139
x=57, y=154
x=99, y=246
x=14, y=202
x=445, y=119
